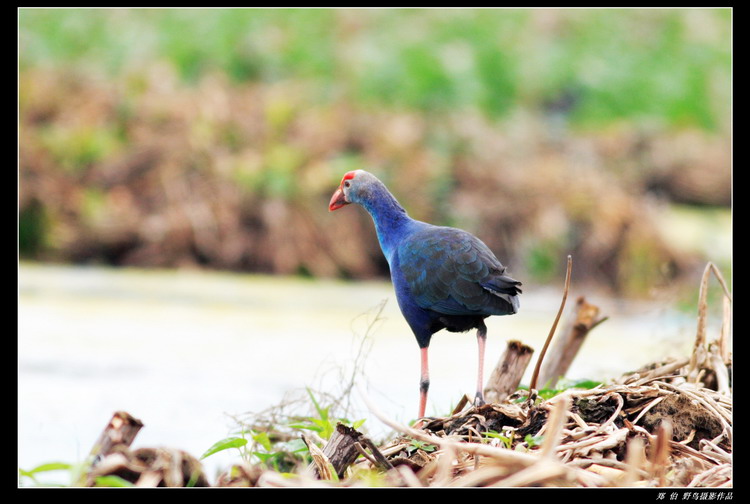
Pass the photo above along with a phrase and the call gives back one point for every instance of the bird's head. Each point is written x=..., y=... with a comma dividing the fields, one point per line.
x=353, y=186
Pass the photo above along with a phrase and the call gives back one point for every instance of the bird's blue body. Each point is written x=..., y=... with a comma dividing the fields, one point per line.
x=444, y=278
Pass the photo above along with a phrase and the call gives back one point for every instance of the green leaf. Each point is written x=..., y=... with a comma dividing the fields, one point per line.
x=358, y=423
x=586, y=384
x=51, y=466
x=420, y=445
x=547, y=394
x=265, y=457
x=323, y=424
x=26, y=473
x=322, y=412
x=262, y=438
x=112, y=481
x=296, y=446
x=532, y=441
x=565, y=384
x=507, y=441
x=225, y=444
x=306, y=427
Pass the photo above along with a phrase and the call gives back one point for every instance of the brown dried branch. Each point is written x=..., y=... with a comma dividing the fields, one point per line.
x=535, y=375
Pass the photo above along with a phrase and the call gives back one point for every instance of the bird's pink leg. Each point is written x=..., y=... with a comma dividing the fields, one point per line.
x=481, y=339
x=424, y=383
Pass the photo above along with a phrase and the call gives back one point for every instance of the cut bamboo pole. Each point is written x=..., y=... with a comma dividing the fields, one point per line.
x=121, y=430
x=341, y=450
x=508, y=372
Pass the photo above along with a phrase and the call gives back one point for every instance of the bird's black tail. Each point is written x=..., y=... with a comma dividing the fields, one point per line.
x=507, y=289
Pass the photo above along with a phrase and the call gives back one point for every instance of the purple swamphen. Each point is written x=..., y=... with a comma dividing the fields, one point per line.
x=444, y=278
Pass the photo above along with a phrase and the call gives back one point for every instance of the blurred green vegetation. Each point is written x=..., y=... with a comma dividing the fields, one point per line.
x=171, y=137
x=664, y=65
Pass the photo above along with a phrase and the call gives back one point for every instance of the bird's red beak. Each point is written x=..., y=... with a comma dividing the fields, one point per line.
x=337, y=200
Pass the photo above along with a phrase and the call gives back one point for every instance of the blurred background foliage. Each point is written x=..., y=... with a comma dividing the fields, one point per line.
x=215, y=137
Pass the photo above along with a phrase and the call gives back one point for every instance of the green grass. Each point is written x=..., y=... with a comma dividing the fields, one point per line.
x=668, y=66
x=283, y=456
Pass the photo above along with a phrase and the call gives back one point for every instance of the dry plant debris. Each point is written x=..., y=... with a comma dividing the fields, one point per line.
x=650, y=430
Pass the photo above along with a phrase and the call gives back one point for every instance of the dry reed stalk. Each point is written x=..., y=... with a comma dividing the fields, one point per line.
x=634, y=459
x=725, y=340
x=408, y=477
x=661, y=451
x=540, y=359
x=553, y=427
x=699, y=355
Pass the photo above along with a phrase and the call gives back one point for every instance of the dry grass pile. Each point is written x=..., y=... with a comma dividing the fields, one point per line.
x=655, y=429
x=651, y=429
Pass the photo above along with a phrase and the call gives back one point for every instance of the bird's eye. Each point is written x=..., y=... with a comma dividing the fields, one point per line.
x=347, y=183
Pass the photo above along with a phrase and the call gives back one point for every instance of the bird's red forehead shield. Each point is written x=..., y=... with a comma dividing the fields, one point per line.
x=339, y=199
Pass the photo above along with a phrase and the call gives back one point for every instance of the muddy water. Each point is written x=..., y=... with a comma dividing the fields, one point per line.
x=184, y=350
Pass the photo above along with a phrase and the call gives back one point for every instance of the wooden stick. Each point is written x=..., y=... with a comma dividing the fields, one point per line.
x=566, y=347
x=462, y=404
x=380, y=460
x=508, y=372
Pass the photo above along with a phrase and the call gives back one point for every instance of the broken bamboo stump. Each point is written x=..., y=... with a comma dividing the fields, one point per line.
x=508, y=372
x=145, y=467
x=120, y=431
x=567, y=345
x=341, y=450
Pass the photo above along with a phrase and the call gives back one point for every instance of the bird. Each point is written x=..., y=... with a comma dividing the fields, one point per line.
x=443, y=277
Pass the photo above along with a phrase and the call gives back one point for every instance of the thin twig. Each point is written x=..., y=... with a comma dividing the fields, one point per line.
x=539, y=360
x=620, y=404
x=720, y=278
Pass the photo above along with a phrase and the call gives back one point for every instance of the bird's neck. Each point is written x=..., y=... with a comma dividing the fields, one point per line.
x=392, y=222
